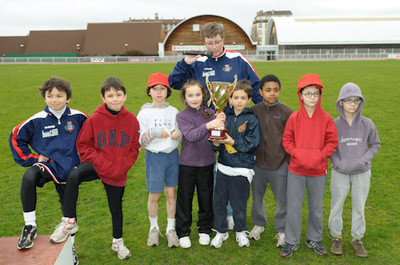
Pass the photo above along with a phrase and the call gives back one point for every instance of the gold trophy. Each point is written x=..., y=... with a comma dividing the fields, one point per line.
x=219, y=97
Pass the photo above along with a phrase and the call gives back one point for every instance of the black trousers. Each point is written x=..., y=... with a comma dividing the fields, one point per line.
x=201, y=178
x=86, y=172
x=37, y=176
x=235, y=189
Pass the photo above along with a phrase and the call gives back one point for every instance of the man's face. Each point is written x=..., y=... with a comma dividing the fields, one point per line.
x=214, y=44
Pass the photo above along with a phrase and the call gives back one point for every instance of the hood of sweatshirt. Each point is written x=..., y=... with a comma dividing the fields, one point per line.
x=308, y=80
x=103, y=111
x=350, y=90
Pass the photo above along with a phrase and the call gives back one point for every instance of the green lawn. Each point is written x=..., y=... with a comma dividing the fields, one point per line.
x=20, y=98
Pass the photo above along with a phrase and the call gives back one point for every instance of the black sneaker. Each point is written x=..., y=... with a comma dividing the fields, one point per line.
x=27, y=236
x=74, y=256
x=317, y=246
x=287, y=250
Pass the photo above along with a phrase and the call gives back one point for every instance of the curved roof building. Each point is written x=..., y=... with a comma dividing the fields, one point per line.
x=288, y=31
x=186, y=36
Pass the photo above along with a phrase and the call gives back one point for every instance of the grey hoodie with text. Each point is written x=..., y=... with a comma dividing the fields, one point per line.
x=359, y=143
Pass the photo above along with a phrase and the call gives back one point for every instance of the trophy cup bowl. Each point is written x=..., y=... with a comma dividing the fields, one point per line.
x=219, y=97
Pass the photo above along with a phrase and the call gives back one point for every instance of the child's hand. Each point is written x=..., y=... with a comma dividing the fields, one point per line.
x=216, y=123
x=215, y=142
x=164, y=134
x=43, y=158
x=175, y=134
x=229, y=140
x=221, y=116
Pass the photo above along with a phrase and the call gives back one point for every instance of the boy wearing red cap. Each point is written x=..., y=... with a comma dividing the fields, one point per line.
x=160, y=136
x=310, y=137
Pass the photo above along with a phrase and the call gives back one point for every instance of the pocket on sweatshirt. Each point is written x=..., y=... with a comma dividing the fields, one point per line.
x=308, y=160
x=103, y=165
x=352, y=165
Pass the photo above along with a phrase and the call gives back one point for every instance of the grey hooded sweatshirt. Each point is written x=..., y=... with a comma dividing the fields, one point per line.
x=359, y=143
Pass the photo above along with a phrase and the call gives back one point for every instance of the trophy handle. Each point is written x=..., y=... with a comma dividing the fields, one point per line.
x=208, y=85
x=234, y=83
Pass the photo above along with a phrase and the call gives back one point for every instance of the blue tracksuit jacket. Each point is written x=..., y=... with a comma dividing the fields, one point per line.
x=245, y=130
x=220, y=69
x=51, y=137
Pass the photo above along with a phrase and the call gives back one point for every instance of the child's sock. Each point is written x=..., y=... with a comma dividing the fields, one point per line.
x=170, y=224
x=340, y=236
x=154, y=223
x=30, y=218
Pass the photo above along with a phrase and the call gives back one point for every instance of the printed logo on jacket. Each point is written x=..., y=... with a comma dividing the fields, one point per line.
x=242, y=127
x=227, y=68
x=69, y=127
x=49, y=131
x=112, y=139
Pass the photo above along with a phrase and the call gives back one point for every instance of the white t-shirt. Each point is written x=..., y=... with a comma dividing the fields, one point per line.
x=152, y=121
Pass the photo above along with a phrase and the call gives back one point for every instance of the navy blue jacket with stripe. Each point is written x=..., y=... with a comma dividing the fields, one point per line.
x=52, y=137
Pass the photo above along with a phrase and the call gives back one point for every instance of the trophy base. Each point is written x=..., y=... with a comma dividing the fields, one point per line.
x=218, y=134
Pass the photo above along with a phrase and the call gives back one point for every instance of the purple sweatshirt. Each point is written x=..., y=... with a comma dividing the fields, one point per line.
x=196, y=150
x=359, y=143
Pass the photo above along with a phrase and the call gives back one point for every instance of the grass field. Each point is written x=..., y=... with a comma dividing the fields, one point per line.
x=19, y=99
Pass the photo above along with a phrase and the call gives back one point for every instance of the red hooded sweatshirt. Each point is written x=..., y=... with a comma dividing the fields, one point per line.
x=310, y=141
x=110, y=143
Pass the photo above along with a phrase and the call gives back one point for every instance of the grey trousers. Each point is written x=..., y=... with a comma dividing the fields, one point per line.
x=296, y=188
x=277, y=180
x=340, y=186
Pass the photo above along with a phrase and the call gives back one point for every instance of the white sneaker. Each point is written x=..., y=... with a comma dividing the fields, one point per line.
x=231, y=223
x=281, y=239
x=241, y=238
x=256, y=232
x=172, y=238
x=119, y=247
x=153, y=239
x=184, y=242
x=219, y=239
x=204, y=239
x=68, y=226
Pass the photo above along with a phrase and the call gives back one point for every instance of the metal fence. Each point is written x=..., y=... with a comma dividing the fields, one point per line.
x=295, y=55
x=339, y=54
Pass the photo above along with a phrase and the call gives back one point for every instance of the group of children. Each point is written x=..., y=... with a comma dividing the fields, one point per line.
x=267, y=143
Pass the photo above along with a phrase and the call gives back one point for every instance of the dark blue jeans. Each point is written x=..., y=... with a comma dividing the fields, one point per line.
x=235, y=189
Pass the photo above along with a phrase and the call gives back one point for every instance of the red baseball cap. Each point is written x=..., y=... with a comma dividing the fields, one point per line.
x=308, y=80
x=158, y=79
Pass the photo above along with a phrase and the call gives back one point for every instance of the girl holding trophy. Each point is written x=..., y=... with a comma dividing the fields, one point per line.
x=196, y=163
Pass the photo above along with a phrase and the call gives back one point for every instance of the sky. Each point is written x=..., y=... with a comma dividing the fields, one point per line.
x=18, y=17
